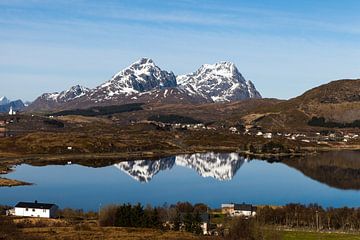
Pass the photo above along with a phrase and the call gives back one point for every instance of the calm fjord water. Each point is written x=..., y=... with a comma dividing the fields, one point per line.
x=211, y=178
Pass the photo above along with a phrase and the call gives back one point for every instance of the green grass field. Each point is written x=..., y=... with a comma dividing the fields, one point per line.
x=298, y=235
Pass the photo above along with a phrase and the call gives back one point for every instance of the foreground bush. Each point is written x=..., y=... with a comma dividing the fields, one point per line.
x=249, y=229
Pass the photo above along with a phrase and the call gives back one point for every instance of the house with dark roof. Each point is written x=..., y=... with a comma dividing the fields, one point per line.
x=35, y=209
x=234, y=209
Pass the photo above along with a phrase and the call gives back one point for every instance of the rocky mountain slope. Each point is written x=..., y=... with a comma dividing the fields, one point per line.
x=143, y=81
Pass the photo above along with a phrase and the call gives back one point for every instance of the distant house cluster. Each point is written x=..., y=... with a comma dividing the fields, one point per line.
x=177, y=126
x=319, y=137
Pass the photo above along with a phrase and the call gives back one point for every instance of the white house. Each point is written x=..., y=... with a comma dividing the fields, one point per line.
x=12, y=112
x=235, y=210
x=35, y=209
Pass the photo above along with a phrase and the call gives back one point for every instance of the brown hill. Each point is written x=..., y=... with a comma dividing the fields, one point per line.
x=337, y=101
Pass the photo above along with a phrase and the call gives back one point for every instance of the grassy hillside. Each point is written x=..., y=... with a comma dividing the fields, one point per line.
x=337, y=101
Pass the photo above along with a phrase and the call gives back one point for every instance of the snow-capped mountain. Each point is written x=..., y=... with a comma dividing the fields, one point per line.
x=4, y=100
x=221, y=166
x=220, y=82
x=145, y=82
x=141, y=76
x=49, y=101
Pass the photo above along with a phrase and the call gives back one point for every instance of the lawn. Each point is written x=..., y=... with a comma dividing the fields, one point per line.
x=298, y=235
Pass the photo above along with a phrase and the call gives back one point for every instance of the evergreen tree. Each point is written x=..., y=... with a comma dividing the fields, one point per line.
x=188, y=222
x=196, y=225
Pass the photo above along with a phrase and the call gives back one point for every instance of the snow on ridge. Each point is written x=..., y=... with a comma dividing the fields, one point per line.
x=66, y=95
x=52, y=96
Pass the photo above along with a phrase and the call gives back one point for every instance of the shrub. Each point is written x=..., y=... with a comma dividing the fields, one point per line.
x=107, y=215
x=248, y=229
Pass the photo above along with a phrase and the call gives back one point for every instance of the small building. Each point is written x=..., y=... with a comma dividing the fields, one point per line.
x=268, y=135
x=235, y=210
x=205, y=223
x=233, y=129
x=12, y=111
x=35, y=209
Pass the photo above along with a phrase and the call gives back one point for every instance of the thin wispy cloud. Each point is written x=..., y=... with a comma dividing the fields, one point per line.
x=235, y=19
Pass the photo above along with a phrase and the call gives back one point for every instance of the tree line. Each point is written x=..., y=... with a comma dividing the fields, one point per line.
x=311, y=216
x=180, y=216
x=322, y=122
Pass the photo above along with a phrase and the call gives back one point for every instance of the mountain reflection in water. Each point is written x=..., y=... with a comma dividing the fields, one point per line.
x=329, y=179
x=336, y=169
x=221, y=166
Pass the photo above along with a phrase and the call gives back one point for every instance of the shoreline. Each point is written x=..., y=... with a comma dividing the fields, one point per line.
x=5, y=182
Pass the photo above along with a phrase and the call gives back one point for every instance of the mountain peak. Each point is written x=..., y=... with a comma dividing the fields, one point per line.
x=220, y=82
x=227, y=69
x=74, y=92
x=144, y=60
x=141, y=76
x=4, y=100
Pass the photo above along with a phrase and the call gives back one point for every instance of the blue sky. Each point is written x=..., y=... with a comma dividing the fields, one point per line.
x=285, y=47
